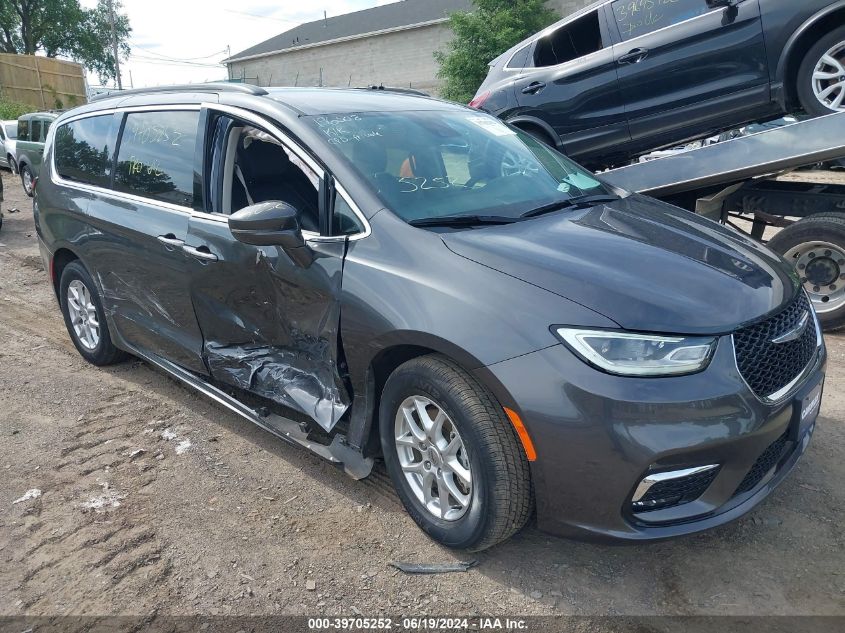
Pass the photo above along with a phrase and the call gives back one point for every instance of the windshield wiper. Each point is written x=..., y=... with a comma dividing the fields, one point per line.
x=463, y=221
x=571, y=203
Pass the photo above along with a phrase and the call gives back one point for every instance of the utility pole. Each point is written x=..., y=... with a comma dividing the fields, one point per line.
x=114, y=46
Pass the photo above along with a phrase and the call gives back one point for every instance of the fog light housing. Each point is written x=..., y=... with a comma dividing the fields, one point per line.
x=659, y=491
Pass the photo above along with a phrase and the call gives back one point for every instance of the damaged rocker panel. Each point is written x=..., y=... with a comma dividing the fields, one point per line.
x=338, y=452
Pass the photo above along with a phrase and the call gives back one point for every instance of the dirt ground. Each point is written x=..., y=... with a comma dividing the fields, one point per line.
x=215, y=516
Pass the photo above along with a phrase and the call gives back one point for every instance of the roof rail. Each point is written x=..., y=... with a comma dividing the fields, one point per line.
x=397, y=89
x=248, y=89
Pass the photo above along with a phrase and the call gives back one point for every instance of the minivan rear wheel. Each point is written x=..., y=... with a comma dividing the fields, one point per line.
x=821, y=76
x=453, y=456
x=816, y=247
x=27, y=180
x=84, y=317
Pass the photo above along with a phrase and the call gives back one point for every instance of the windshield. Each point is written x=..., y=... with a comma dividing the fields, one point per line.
x=12, y=130
x=443, y=164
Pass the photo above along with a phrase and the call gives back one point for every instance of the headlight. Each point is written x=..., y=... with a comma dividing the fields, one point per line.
x=629, y=354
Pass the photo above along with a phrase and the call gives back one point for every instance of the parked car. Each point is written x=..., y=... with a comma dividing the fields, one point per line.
x=29, y=148
x=8, y=138
x=623, y=77
x=373, y=274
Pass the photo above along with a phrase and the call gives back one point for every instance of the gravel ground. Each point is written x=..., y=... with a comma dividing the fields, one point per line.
x=156, y=501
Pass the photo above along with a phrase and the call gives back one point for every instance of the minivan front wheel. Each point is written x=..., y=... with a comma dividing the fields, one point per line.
x=453, y=455
x=84, y=317
x=821, y=77
x=27, y=180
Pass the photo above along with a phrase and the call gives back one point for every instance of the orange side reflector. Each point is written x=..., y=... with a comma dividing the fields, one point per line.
x=527, y=444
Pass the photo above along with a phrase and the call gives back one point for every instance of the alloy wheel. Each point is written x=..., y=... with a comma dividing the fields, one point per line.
x=433, y=458
x=26, y=177
x=829, y=79
x=83, y=315
x=821, y=266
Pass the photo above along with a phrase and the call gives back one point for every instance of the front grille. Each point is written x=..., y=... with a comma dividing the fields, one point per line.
x=767, y=367
x=768, y=460
x=674, y=492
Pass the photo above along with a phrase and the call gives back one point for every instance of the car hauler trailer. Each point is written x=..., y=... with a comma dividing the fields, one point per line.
x=740, y=179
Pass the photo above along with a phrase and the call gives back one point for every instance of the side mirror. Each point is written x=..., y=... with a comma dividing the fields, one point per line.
x=715, y=4
x=270, y=223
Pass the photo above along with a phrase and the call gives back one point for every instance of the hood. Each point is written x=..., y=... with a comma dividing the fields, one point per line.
x=642, y=263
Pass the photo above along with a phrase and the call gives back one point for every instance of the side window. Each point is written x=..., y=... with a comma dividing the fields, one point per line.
x=156, y=156
x=569, y=42
x=23, y=130
x=84, y=150
x=521, y=59
x=344, y=220
x=260, y=169
x=640, y=17
x=35, y=132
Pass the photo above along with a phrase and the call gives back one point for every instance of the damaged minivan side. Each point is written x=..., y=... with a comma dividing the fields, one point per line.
x=373, y=275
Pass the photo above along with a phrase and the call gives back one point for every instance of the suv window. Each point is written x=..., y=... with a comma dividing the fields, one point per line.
x=84, y=150
x=23, y=130
x=520, y=58
x=156, y=156
x=35, y=132
x=640, y=17
x=576, y=39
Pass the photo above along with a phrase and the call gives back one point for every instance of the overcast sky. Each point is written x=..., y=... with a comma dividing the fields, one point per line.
x=180, y=41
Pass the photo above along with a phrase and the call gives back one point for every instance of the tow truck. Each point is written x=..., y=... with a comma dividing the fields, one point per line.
x=757, y=182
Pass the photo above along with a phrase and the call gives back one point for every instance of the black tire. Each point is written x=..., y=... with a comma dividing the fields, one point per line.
x=105, y=353
x=804, y=87
x=13, y=166
x=501, y=500
x=823, y=227
x=26, y=173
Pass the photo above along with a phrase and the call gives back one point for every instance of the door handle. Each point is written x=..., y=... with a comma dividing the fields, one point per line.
x=200, y=252
x=170, y=240
x=533, y=88
x=634, y=57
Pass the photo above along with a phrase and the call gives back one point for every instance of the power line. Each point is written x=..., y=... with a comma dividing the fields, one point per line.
x=256, y=17
x=178, y=59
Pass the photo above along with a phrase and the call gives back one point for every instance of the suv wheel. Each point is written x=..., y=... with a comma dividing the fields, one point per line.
x=453, y=456
x=85, y=318
x=821, y=77
x=27, y=180
x=816, y=246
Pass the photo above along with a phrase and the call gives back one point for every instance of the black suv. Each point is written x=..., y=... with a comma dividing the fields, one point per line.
x=371, y=274
x=623, y=77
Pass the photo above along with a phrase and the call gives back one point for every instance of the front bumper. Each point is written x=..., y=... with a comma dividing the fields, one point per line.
x=597, y=436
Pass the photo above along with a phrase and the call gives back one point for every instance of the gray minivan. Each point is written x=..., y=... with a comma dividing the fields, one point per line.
x=375, y=275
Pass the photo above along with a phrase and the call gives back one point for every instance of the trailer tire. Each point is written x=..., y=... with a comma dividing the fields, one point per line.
x=816, y=245
x=811, y=93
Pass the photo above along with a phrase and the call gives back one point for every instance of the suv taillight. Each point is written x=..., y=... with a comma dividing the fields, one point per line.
x=479, y=100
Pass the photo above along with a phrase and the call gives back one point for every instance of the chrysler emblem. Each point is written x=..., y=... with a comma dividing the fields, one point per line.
x=795, y=333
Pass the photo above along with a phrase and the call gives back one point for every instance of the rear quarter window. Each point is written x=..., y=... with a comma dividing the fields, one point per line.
x=23, y=130
x=84, y=150
x=156, y=156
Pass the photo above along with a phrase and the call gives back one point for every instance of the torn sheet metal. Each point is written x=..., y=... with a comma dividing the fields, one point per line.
x=301, y=381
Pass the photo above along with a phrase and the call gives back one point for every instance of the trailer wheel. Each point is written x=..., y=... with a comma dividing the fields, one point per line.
x=816, y=246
